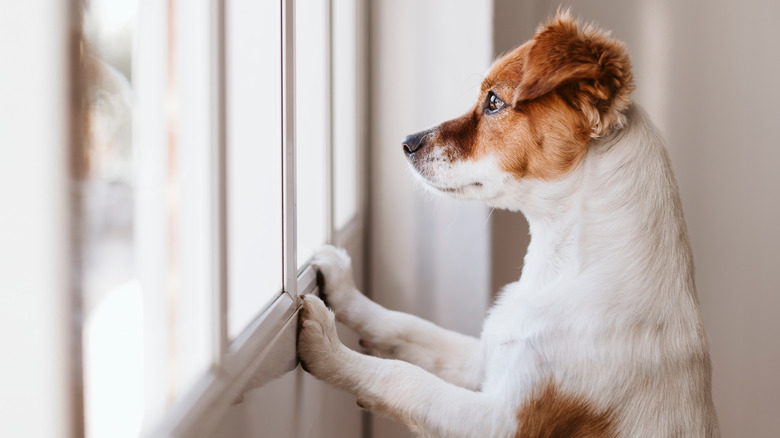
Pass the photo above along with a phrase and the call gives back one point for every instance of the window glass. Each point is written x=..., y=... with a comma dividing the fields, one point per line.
x=311, y=132
x=145, y=226
x=254, y=158
x=148, y=215
x=344, y=112
x=192, y=138
x=111, y=293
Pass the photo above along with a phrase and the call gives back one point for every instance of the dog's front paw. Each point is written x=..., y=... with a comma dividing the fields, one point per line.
x=336, y=268
x=319, y=347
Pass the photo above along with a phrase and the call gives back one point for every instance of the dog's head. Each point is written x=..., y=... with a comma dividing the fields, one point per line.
x=538, y=109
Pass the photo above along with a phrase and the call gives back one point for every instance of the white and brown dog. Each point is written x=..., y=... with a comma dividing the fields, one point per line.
x=602, y=335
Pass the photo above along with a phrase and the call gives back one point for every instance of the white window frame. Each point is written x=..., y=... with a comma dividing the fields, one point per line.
x=45, y=79
x=199, y=411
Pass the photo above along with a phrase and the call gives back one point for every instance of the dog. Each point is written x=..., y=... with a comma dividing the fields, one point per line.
x=602, y=335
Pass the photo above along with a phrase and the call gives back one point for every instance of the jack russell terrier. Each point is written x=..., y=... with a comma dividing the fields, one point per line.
x=602, y=335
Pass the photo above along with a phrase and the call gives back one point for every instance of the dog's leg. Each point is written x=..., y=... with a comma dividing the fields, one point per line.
x=428, y=404
x=454, y=357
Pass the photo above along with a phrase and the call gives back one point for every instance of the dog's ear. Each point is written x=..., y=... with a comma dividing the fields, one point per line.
x=590, y=70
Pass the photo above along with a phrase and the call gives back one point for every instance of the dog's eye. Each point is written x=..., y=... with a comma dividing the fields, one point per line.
x=494, y=104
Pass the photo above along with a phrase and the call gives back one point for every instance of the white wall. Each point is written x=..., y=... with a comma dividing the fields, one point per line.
x=429, y=256
x=37, y=296
x=707, y=71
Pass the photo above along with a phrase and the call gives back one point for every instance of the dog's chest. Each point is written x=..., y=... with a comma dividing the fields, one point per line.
x=518, y=317
x=514, y=337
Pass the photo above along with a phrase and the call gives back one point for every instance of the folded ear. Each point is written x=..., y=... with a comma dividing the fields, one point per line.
x=590, y=70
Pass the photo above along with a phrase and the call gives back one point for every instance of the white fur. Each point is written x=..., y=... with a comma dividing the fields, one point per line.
x=606, y=306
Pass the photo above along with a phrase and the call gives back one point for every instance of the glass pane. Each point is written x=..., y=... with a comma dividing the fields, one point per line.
x=112, y=295
x=311, y=124
x=145, y=178
x=254, y=158
x=192, y=146
x=345, y=115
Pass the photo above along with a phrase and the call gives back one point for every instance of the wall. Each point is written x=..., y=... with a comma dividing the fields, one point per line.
x=707, y=74
x=39, y=399
x=429, y=255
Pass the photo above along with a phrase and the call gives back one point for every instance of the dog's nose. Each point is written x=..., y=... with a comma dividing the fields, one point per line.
x=413, y=143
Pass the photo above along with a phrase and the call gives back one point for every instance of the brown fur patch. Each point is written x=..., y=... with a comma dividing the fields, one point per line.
x=540, y=139
x=543, y=139
x=590, y=70
x=551, y=414
x=460, y=134
x=561, y=89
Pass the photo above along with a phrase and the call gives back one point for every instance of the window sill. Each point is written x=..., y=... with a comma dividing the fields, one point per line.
x=262, y=353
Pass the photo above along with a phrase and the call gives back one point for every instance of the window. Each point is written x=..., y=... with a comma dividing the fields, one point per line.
x=346, y=111
x=312, y=116
x=220, y=148
x=253, y=47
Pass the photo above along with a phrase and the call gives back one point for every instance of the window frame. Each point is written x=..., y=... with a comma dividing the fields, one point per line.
x=46, y=168
x=234, y=363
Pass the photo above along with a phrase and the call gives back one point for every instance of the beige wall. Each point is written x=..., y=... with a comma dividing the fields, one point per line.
x=707, y=72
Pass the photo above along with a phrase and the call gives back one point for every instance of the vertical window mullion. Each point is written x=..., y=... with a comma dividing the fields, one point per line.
x=220, y=340
x=330, y=231
x=289, y=264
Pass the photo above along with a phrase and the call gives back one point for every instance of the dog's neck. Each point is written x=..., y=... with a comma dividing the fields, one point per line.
x=618, y=213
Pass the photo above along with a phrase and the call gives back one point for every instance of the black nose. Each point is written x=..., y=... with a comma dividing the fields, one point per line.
x=413, y=143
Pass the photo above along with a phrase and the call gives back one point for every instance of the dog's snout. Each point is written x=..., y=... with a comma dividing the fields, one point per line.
x=413, y=143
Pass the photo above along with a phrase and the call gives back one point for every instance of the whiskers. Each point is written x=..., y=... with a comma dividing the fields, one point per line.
x=484, y=225
x=430, y=193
